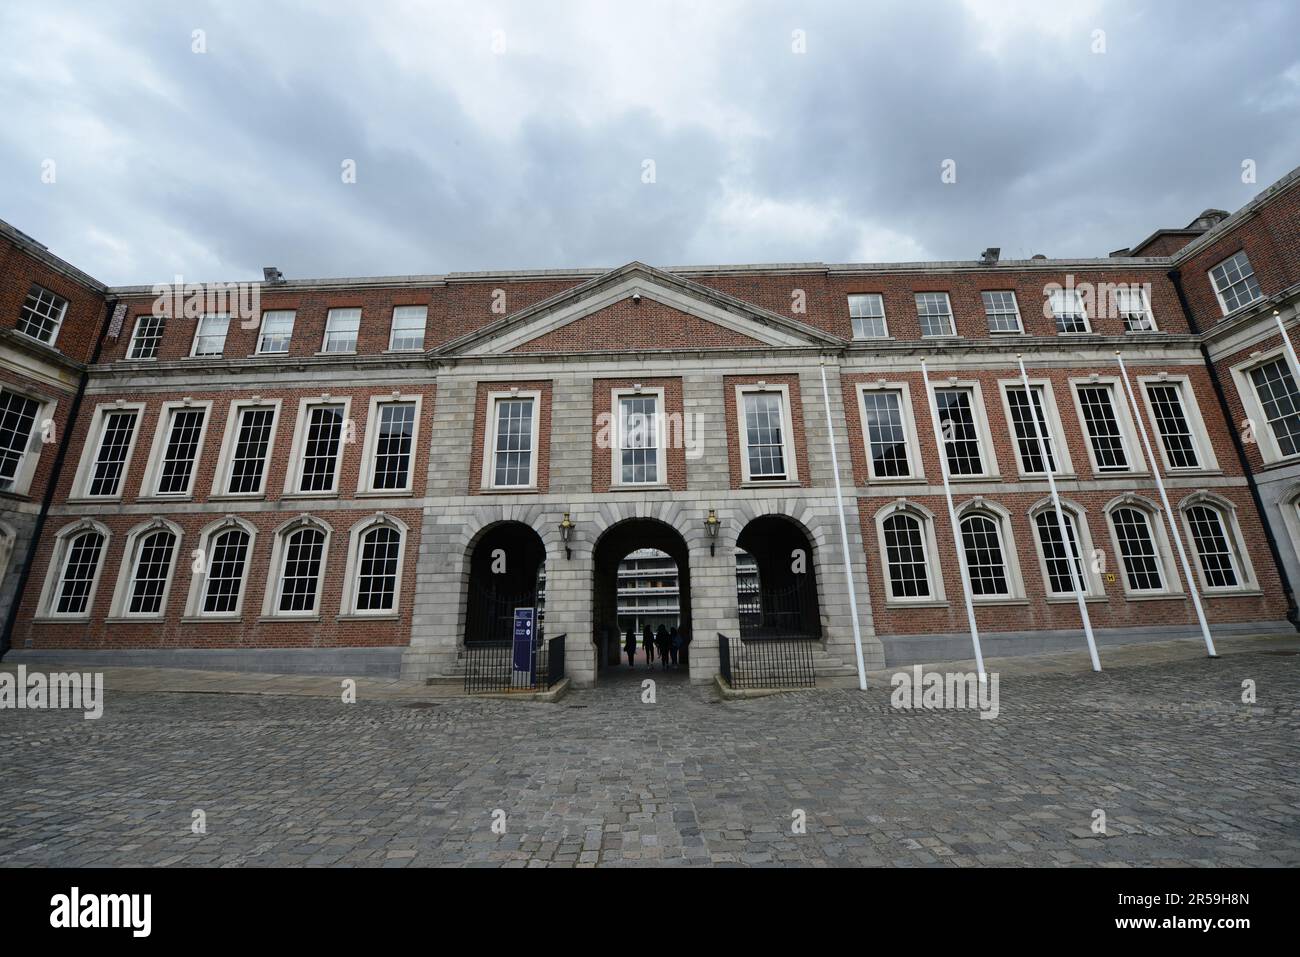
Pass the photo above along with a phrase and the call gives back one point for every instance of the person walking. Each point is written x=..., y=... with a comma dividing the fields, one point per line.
x=674, y=645
x=648, y=645
x=630, y=647
x=661, y=643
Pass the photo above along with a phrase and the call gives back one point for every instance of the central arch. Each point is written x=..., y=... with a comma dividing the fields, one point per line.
x=643, y=537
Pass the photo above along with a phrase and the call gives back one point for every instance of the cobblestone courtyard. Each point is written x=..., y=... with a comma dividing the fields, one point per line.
x=1186, y=775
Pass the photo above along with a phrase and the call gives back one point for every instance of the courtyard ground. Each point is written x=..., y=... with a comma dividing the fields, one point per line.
x=285, y=772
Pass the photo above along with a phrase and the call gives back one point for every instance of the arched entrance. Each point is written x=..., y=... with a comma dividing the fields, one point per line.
x=639, y=566
x=507, y=570
x=776, y=588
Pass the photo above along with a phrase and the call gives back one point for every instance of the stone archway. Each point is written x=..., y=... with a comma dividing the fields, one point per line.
x=614, y=544
x=780, y=600
x=507, y=570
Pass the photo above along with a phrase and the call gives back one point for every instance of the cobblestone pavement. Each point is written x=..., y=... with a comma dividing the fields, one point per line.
x=1185, y=773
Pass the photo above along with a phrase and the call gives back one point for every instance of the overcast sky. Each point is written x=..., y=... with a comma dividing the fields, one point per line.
x=496, y=135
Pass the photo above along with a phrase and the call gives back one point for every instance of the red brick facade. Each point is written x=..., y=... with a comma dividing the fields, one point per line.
x=780, y=324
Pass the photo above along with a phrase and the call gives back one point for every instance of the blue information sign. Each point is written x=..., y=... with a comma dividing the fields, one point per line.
x=525, y=621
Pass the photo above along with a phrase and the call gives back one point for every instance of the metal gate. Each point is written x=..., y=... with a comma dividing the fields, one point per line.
x=490, y=616
x=776, y=613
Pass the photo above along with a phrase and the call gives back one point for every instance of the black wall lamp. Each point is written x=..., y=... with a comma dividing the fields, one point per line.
x=566, y=533
x=711, y=525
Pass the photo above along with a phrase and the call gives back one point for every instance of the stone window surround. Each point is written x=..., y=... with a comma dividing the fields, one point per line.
x=54, y=572
x=1159, y=528
x=1123, y=411
x=929, y=540
x=616, y=459
x=199, y=580
x=46, y=409
x=226, y=457
x=118, y=607
x=158, y=449
x=789, y=451
x=297, y=451
x=352, y=571
x=275, y=580
x=1060, y=446
x=90, y=452
x=1208, y=461
x=988, y=452
x=916, y=462
x=370, y=444
x=488, y=477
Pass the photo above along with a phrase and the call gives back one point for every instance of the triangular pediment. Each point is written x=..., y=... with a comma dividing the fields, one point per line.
x=638, y=308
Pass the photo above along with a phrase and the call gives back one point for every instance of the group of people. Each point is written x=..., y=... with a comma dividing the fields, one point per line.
x=671, y=644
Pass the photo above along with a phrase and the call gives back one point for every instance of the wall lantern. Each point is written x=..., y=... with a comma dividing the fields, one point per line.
x=711, y=525
x=566, y=533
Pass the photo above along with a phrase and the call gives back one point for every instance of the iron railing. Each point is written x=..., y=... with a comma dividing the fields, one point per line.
x=490, y=666
x=767, y=662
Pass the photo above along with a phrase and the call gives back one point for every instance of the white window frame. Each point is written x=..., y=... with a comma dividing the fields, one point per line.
x=199, y=580
x=1056, y=315
x=119, y=608
x=1145, y=301
x=930, y=545
x=1015, y=306
x=54, y=572
x=293, y=474
x=1207, y=461
x=1060, y=446
x=1269, y=450
x=230, y=438
x=1173, y=586
x=1247, y=582
x=1218, y=293
x=90, y=452
x=616, y=445
x=1123, y=418
x=158, y=449
x=46, y=409
x=325, y=339
x=980, y=506
x=370, y=446
x=788, y=451
x=392, y=328
x=198, y=334
x=1092, y=585
x=351, y=576
x=135, y=337
x=261, y=332
x=988, y=451
x=914, y=458
x=952, y=317
x=883, y=317
x=488, y=477
x=275, y=582
x=58, y=323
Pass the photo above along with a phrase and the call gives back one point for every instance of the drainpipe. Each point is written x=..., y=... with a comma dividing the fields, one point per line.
x=1292, y=611
x=74, y=410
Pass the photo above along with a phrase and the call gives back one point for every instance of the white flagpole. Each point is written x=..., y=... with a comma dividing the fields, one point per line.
x=1169, y=512
x=1077, y=549
x=1281, y=327
x=844, y=536
x=952, y=520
